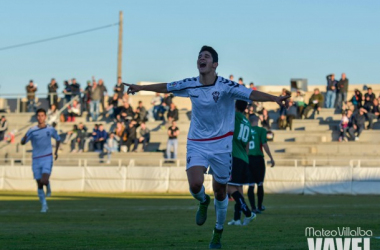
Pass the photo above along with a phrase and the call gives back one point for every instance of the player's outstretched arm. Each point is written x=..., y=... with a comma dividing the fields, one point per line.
x=158, y=87
x=267, y=150
x=258, y=96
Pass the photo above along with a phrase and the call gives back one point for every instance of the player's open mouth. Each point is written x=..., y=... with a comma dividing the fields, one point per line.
x=202, y=65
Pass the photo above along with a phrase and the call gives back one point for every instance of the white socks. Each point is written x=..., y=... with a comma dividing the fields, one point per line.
x=221, y=212
x=201, y=196
x=41, y=195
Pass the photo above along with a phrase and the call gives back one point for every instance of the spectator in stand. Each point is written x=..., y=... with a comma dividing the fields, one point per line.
x=166, y=101
x=131, y=135
x=357, y=99
x=156, y=102
x=81, y=137
x=87, y=96
x=3, y=127
x=111, y=146
x=315, y=103
x=252, y=86
x=372, y=111
x=71, y=136
x=101, y=137
x=67, y=92
x=90, y=141
x=264, y=118
x=241, y=81
x=119, y=88
x=52, y=115
x=173, y=133
x=231, y=77
x=369, y=97
x=73, y=110
x=281, y=121
x=96, y=96
x=126, y=112
x=331, y=91
x=31, y=89
x=172, y=113
x=121, y=136
x=52, y=93
x=144, y=138
x=344, y=128
x=358, y=124
x=299, y=102
x=75, y=88
x=140, y=113
x=342, y=89
x=103, y=93
x=291, y=113
x=112, y=108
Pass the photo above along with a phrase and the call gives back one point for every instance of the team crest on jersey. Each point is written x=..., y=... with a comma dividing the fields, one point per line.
x=188, y=159
x=48, y=133
x=215, y=95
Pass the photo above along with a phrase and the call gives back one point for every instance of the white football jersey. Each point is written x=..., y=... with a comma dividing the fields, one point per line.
x=213, y=110
x=41, y=140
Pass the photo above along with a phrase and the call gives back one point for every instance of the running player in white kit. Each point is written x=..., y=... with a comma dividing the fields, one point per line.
x=209, y=143
x=42, y=163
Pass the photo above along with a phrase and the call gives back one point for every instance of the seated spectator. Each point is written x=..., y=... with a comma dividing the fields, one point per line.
x=126, y=112
x=172, y=113
x=3, y=127
x=369, y=96
x=73, y=110
x=173, y=133
x=291, y=113
x=358, y=125
x=131, y=135
x=71, y=136
x=315, y=103
x=121, y=136
x=113, y=109
x=140, y=113
x=344, y=128
x=357, y=99
x=89, y=144
x=157, y=107
x=144, y=138
x=101, y=137
x=111, y=146
x=372, y=111
x=52, y=115
x=264, y=118
x=299, y=102
x=80, y=139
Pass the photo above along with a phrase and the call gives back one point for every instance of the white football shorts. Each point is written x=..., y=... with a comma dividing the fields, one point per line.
x=42, y=166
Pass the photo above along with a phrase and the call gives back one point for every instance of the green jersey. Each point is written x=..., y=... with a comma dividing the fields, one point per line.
x=242, y=134
x=258, y=138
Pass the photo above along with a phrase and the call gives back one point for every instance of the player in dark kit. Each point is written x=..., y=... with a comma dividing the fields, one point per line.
x=257, y=163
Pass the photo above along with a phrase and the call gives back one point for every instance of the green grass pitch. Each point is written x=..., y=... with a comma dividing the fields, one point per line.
x=131, y=221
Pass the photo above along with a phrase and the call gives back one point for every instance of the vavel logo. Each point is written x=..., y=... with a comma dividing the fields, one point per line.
x=343, y=238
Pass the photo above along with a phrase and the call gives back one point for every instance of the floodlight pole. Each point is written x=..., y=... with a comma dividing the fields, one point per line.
x=120, y=47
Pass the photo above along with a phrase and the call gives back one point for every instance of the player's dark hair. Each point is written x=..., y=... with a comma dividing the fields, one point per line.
x=241, y=105
x=41, y=110
x=213, y=53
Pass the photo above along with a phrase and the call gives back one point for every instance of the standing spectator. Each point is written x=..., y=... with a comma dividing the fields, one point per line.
x=119, y=88
x=95, y=101
x=52, y=90
x=264, y=118
x=73, y=110
x=315, y=102
x=173, y=133
x=67, y=92
x=369, y=97
x=103, y=93
x=132, y=135
x=87, y=96
x=112, y=108
x=342, y=89
x=299, y=102
x=140, y=113
x=110, y=146
x=144, y=138
x=126, y=112
x=357, y=99
x=31, y=89
x=372, y=111
x=331, y=91
x=358, y=124
x=156, y=102
x=231, y=78
x=241, y=81
x=252, y=86
x=281, y=121
x=81, y=137
x=121, y=135
x=75, y=88
x=344, y=128
x=172, y=113
x=101, y=137
x=291, y=113
x=3, y=127
x=52, y=115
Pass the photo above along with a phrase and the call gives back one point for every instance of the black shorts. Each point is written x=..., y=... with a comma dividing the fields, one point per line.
x=240, y=173
x=256, y=169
